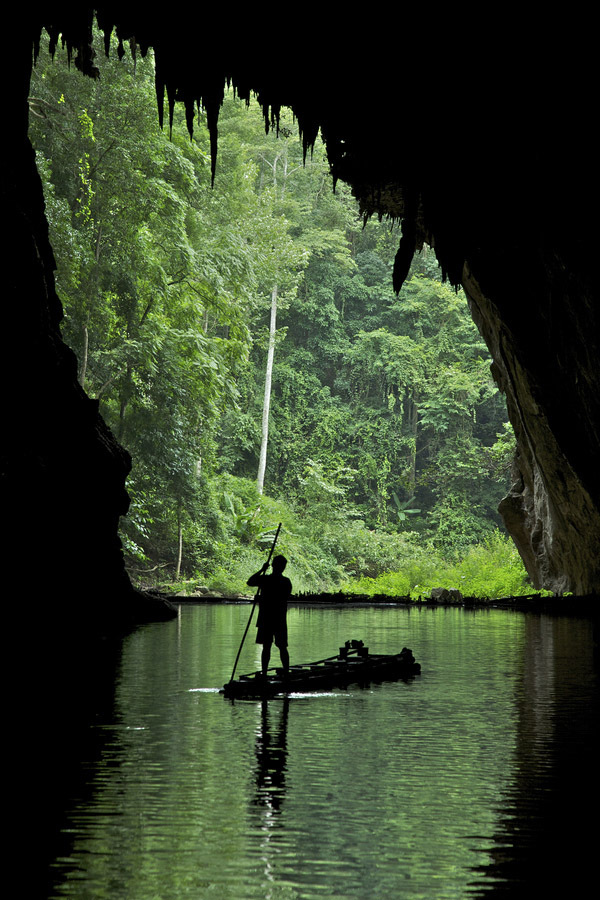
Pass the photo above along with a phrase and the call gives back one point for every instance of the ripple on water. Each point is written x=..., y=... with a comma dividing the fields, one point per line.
x=402, y=790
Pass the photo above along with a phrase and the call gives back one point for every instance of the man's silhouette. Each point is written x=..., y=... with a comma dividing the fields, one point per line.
x=275, y=591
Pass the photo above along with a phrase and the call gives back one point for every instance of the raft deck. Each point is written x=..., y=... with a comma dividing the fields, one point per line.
x=352, y=665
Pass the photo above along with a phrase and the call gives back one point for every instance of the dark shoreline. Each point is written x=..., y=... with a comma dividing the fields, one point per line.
x=569, y=605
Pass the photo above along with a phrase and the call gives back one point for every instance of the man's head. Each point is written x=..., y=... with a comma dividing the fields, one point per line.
x=279, y=564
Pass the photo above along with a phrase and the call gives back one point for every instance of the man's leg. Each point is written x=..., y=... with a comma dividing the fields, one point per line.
x=265, y=656
x=285, y=659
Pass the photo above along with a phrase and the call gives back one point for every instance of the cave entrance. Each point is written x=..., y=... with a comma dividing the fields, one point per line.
x=385, y=428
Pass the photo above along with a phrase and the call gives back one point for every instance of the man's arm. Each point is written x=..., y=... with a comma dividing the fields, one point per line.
x=256, y=579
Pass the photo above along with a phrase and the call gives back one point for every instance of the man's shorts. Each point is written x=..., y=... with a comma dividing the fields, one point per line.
x=266, y=635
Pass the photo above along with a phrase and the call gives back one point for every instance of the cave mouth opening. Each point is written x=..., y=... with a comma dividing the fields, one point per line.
x=122, y=371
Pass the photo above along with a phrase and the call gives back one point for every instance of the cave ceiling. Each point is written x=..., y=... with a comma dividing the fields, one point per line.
x=435, y=123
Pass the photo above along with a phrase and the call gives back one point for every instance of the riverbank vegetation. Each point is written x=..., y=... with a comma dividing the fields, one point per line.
x=244, y=343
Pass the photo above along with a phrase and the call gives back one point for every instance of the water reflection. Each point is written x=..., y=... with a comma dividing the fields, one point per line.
x=545, y=835
x=476, y=779
x=271, y=755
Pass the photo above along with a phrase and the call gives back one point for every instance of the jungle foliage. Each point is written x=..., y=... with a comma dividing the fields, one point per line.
x=387, y=445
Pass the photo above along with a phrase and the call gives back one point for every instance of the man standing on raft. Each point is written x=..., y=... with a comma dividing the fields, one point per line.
x=275, y=591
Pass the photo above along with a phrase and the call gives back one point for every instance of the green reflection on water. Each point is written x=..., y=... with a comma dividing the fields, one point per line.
x=392, y=790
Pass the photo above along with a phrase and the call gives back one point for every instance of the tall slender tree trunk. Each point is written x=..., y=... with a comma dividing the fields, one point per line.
x=262, y=461
x=84, y=356
x=414, y=428
x=86, y=336
x=125, y=396
x=179, y=543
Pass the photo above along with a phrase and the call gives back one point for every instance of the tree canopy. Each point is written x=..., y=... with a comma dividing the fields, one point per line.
x=387, y=434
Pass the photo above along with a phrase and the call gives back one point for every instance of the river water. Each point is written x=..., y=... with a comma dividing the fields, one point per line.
x=476, y=778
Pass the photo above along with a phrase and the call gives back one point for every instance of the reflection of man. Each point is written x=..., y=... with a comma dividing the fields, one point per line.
x=271, y=756
x=275, y=591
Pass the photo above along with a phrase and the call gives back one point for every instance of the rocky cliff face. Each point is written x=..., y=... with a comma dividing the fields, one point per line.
x=63, y=474
x=551, y=510
x=488, y=174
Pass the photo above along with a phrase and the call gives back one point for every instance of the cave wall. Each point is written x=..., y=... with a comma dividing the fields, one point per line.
x=63, y=473
x=486, y=155
x=551, y=510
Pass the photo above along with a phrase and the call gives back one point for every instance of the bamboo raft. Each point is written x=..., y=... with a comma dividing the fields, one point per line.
x=352, y=665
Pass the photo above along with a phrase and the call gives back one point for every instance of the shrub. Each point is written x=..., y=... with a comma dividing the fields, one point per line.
x=492, y=569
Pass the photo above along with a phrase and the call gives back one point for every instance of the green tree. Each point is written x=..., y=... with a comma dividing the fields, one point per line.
x=249, y=326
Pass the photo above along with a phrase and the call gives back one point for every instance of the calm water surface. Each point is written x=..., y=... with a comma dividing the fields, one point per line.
x=476, y=778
